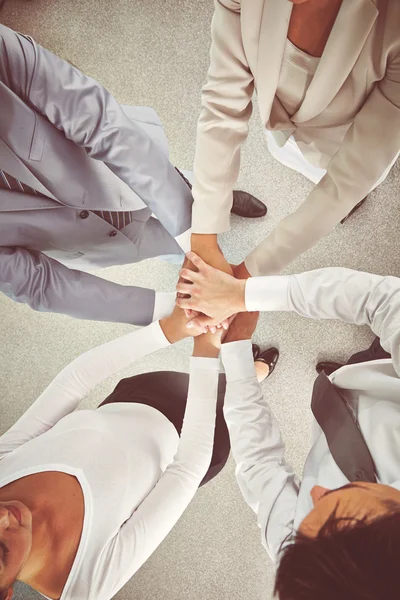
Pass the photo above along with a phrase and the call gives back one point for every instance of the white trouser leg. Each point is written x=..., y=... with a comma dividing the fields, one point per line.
x=292, y=157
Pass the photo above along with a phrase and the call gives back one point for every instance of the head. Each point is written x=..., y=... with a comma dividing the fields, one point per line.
x=346, y=548
x=15, y=543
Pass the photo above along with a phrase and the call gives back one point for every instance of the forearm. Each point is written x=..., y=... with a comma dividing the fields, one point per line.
x=205, y=346
x=223, y=122
x=297, y=233
x=267, y=482
x=165, y=504
x=334, y=293
x=46, y=285
x=75, y=381
x=351, y=174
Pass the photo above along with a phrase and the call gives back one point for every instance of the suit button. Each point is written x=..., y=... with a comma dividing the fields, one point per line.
x=84, y=214
x=113, y=233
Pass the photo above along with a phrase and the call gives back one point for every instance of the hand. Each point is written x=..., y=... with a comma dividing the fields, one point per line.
x=242, y=327
x=175, y=327
x=244, y=324
x=206, y=246
x=209, y=344
x=210, y=291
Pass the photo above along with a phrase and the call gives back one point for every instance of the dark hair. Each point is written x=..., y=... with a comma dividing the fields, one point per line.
x=345, y=561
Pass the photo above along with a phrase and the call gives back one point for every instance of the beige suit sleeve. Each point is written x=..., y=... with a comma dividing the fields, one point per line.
x=223, y=122
x=369, y=148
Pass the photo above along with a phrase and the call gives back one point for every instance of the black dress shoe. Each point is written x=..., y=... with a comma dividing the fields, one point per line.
x=246, y=205
x=256, y=351
x=270, y=358
x=353, y=210
x=327, y=367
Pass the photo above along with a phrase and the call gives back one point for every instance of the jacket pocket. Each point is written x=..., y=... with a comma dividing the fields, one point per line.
x=38, y=139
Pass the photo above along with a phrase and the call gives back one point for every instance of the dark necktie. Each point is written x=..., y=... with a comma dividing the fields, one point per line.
x=342, y=431
x=8, y=182
x=117, y=219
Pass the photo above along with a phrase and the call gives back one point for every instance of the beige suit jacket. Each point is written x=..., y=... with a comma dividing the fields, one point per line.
x=356, y=87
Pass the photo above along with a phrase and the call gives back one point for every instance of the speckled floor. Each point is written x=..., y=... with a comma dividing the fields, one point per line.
x=156, y=54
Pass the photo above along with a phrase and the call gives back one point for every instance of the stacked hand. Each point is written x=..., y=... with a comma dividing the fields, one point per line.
x=175, y=329
x=210, y=291
x=214, y=297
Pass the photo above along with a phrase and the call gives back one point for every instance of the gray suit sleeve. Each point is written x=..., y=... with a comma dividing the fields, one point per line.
x=91, y=117
x=46, y=285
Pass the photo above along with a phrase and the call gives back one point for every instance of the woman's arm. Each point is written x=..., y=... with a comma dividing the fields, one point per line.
x=223, y=122
x=75, y=381
x=159, y=512
x=368, y=149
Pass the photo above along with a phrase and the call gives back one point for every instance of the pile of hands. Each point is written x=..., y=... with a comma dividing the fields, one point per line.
x=210, y=304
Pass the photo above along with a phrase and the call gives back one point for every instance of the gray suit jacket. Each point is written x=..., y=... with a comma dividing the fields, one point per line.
x=65, y=136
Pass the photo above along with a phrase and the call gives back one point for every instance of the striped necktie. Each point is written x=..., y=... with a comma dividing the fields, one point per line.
x=117, y=219
x=7, y=182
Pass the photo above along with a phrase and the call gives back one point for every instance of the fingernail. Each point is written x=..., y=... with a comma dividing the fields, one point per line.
x=189, y=325
x=225, y=326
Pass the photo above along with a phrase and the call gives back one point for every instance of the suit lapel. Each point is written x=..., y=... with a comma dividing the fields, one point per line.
x=349, y=33
x=10, y=163
x=273, y=34
x=11, y=201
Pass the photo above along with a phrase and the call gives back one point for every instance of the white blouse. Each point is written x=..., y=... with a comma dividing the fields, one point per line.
x=297, y=72
x=136, y=475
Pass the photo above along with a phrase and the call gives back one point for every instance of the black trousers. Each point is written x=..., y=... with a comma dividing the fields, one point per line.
x=374, y=352
x=166, y=391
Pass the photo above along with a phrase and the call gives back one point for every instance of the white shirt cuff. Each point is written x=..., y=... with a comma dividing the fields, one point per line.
x=163, y=305
x=156, y=333
x=183, y=239
x=267, y=293
x=238, y=361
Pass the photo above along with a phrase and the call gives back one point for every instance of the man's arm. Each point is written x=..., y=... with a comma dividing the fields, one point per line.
x=222, y=128
x=335, y=293
x=267, y=482
x=91, y=117
x=31, y=277
x=368, y=149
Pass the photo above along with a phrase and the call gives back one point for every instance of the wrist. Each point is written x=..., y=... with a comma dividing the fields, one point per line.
x=241, y=272
x=171, y=331
x=204, y=241
x=204, y=347
x=240, y=295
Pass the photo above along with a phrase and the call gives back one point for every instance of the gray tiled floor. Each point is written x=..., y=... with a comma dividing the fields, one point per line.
x=156, y=54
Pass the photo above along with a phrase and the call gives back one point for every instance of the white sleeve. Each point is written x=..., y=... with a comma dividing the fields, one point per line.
x=156, y=516
x=75, y=381
x=164, y=304
x=267, y=482
x=335, y=293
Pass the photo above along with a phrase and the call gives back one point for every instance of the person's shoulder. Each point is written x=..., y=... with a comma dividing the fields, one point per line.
x=11, y=38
